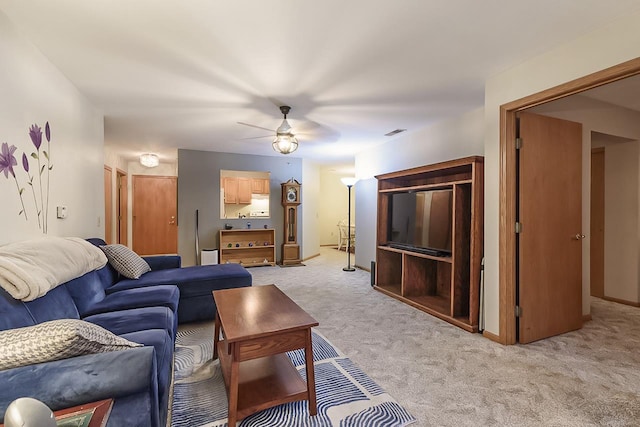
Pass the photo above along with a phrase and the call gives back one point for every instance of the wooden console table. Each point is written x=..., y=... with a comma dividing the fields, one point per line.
x=257, y=372
x=248, y=247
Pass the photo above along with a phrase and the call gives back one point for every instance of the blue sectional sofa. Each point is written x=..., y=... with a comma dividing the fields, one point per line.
x=144, y=310
x=195, y=283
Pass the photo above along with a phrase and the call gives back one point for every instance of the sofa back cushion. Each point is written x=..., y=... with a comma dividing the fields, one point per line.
x=13, y=313
x=86, y=290
x=55, y=304
x=108, y=274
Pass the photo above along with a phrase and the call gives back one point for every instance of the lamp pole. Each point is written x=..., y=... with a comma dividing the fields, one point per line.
x=349, y=182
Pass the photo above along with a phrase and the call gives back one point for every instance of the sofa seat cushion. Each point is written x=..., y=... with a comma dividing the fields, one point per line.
x=156, y=296
x=55, y=340
x=196, y=280
x=136, y=319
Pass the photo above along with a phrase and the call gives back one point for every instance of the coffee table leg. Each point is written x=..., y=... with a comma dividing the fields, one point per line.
x=216, y=336
x=311, y=378
x=233, y=386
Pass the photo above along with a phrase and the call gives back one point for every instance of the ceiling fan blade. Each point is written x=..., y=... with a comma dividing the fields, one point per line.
x=258, y=137
x=254, y=126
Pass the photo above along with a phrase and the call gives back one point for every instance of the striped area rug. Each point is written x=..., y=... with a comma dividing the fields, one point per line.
x=346, y=396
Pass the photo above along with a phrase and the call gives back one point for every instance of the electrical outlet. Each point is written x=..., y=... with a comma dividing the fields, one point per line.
x=99, y=221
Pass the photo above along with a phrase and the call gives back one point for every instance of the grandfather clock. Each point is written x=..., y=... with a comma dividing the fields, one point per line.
x=291, y=201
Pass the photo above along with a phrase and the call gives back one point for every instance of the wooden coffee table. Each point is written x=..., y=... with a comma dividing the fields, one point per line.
x=259, y=324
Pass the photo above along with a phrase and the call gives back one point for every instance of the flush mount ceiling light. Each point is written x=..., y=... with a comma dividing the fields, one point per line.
x=285, y=141
x=149, y=160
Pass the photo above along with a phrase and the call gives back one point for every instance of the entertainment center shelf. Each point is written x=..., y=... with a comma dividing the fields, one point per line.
x=444, y=286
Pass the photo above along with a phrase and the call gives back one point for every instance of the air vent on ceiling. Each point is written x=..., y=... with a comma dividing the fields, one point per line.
x=394, y=132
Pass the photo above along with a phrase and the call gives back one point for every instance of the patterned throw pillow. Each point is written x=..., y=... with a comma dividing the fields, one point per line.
x=125, y=261
x=55, y=340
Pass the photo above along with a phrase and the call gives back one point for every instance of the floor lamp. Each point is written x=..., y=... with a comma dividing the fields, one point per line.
x=349, y=182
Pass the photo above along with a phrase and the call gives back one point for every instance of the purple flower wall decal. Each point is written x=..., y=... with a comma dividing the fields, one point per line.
x=25, y=162
x=35, y=132
x=7, y=162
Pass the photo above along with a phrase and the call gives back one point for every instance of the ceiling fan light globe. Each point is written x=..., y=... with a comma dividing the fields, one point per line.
x=285, y=144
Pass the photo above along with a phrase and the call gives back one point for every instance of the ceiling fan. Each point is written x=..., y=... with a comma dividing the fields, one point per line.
x=285, y=141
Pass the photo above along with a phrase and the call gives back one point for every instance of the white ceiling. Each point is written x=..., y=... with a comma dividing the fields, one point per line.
x=172, y=74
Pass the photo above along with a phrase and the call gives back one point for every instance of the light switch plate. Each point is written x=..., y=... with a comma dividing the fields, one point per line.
x=61, y=212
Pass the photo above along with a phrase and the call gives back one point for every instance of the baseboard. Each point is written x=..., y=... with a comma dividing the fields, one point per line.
x=363, y=268
x=586, y=317
x=312, y=256
x=621, y=301
x=492, y=337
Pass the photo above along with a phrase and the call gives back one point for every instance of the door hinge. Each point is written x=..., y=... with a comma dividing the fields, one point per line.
x=518, y=143
x=518, y=228
x=518, y=311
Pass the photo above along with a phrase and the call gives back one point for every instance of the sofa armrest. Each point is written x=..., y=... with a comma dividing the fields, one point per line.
x=83, y=379
x=162, y=262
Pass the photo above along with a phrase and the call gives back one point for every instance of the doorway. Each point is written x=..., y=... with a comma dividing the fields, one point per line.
x=108, y=205
x=122, y=204
x=508, y=183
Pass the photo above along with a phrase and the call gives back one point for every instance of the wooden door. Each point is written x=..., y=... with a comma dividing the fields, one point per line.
x=550, y=241
x=597, y=222
x=155, y=229
x=108, y=206
x=122, y=208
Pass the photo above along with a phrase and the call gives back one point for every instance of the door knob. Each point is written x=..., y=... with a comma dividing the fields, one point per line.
x=580, y=236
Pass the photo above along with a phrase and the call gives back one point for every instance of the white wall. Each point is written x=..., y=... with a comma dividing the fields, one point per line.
x=311, y=212
x=621, y=221
x=617, y=42
x=446, y=140
x=33, y=91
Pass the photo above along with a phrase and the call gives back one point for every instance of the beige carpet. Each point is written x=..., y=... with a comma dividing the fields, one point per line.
x=445, y=376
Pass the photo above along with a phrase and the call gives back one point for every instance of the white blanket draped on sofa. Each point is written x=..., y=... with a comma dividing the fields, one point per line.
x=31, y=268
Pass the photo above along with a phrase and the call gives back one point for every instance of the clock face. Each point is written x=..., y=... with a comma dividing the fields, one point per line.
x=292, y=194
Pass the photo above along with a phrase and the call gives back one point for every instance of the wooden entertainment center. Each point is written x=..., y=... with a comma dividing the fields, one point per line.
x=446, y=286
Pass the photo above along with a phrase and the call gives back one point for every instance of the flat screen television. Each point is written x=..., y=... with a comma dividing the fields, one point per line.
x=421, y=221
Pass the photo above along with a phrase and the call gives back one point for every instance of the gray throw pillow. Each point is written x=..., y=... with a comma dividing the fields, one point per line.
x=125, y=261
x=55, y=340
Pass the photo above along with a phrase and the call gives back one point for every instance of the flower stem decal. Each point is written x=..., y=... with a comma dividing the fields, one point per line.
x=25, y=165
x=47, y=154
x=35, y=132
